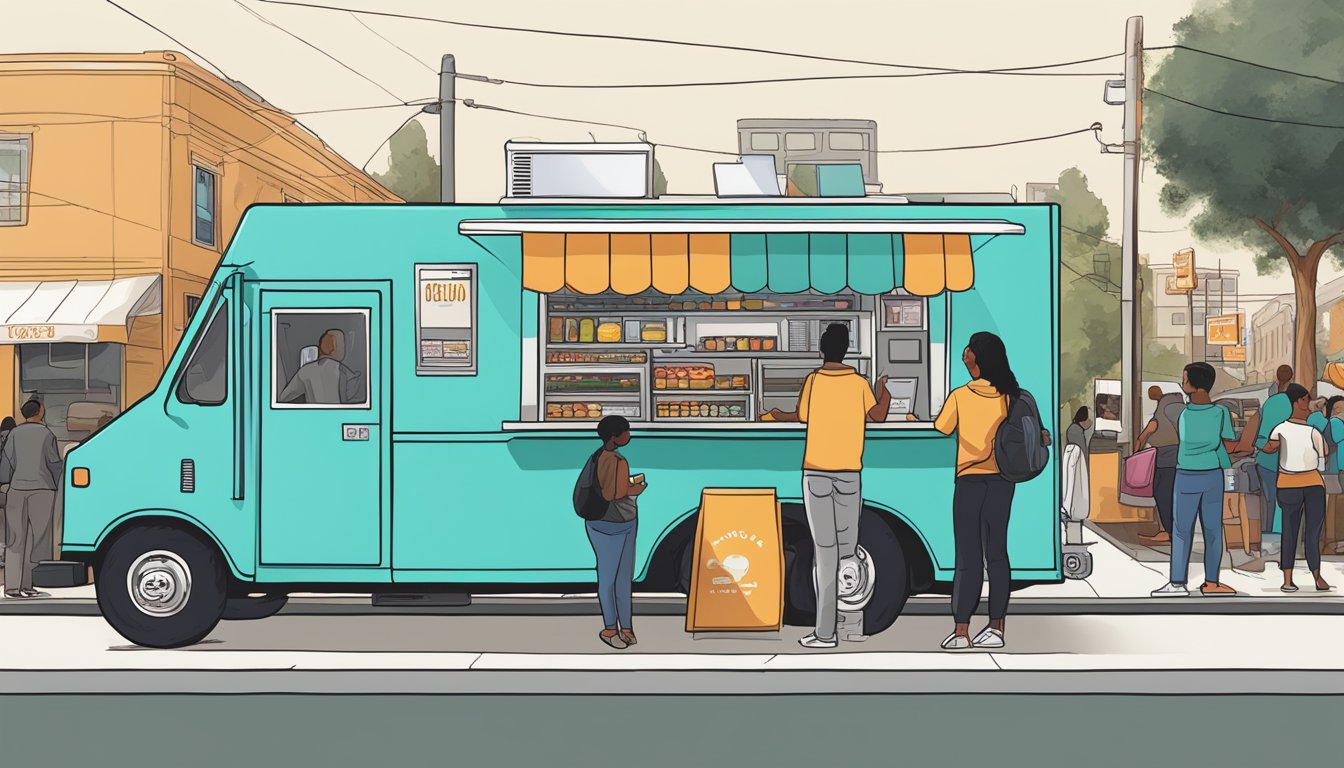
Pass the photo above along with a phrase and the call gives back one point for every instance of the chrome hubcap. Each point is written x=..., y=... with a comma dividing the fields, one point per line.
x=159, y=583
x=855, y=581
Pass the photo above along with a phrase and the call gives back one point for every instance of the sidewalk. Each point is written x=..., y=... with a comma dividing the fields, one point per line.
x=1123, y=575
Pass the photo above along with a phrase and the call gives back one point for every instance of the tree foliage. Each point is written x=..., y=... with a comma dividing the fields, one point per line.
x=412, y=173
x=1273, y=188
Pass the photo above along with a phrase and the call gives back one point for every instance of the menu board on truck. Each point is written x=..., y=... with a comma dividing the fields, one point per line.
x=445, y=319
x=737, y=576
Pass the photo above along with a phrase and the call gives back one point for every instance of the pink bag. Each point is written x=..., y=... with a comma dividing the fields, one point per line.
x=1136, y=479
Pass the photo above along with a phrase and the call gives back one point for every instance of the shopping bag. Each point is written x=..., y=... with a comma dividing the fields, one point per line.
x=1136, y=478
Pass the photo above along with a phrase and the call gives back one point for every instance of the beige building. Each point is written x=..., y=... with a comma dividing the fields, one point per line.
x=122, y=179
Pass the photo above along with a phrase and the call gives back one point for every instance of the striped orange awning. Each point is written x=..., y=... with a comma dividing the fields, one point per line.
x=924, y=264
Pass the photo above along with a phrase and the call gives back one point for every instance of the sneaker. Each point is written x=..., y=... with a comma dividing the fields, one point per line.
x=1288, y=588
x=30, y=592
x=1172, y=589
x=615, y=641
x=955, y=642
x=812, y=641
x=1217, y=590
x=988, y=638
x=14, y=594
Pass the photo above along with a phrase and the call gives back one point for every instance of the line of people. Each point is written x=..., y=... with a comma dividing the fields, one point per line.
x=837, y=403
x=1295, y=441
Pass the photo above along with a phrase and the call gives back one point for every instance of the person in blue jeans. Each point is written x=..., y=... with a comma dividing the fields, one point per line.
x=1274, y=412
x=613, y=535
x=1206, y=435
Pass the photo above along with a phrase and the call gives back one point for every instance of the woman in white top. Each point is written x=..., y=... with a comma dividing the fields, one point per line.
x=1302, y=451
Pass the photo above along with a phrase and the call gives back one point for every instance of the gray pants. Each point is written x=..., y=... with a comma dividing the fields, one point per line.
x=29, y=516
x=833, y=502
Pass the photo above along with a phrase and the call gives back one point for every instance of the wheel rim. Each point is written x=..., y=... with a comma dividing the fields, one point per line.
x=855, y=582
x=159, y=583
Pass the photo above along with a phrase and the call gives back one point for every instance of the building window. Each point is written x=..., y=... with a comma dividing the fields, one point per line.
x=800, y=142
x=206, y=377
x=847, y=142
x=203, y=228
x=765, y=142
x=193, y=303
x=445, y=319
x=1178, y=318
x=15, y=156
x=80, y=385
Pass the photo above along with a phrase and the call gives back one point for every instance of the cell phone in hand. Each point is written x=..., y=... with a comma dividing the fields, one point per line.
x=637, y=479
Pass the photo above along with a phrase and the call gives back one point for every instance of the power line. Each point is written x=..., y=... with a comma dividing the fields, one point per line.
x=1238, y=114
x=274, y=25
x=1244, y=61
x=1088, y=129
x=409, y=55
x=681, y=43
x=800, y=79
x=161, y=31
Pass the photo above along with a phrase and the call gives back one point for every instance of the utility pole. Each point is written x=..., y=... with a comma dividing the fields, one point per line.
x=1131, y=335
x=447, y=128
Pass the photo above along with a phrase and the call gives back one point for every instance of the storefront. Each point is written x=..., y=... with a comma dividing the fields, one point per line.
x=74, y=343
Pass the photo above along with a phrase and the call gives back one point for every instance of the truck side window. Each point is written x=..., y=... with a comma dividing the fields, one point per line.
x=320, y=359
x=206, y=377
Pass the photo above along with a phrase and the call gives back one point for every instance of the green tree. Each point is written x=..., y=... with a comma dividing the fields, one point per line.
x=412, y=174
x=1090, y=299
x=659, y=180
x=1272, y=187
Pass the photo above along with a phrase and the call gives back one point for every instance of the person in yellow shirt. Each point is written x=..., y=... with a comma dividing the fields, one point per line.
x=982, y=499
x=836, y=402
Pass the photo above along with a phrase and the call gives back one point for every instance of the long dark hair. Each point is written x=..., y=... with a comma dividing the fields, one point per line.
x=1329, y=407
x=992, y=359
x=8, y=423
x=1082, y=414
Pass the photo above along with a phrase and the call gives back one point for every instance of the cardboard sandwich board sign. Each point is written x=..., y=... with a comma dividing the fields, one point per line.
x=737, y=577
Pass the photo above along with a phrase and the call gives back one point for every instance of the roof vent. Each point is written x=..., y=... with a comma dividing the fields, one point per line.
x=594, y=170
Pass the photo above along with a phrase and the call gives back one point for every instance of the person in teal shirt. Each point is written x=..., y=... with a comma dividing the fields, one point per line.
x=1205, y=431
x=1274, y=412
x=1334, y=434
x=1318, y=419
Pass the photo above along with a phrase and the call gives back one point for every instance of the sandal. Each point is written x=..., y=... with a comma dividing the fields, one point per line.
x=614, y=640
x=629, y=638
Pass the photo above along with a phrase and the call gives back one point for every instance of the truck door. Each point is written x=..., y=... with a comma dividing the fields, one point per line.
x=324, y=440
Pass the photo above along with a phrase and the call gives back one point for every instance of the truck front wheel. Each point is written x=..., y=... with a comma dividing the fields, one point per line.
x=162, y=587
x=876, y=581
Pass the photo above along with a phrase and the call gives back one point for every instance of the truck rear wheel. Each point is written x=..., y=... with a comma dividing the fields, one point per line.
x=162, y=587
x=876, y=581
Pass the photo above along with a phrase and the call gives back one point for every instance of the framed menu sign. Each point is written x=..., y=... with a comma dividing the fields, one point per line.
x=445, y=320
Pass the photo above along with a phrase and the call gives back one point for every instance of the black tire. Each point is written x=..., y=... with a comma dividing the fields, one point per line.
x=205, y=598
x=253, y=608
x=891, y=589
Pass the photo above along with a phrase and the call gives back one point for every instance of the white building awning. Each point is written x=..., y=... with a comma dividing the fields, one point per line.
x=76, y=310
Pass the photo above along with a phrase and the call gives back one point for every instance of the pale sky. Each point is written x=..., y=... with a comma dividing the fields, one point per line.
x=911, y=112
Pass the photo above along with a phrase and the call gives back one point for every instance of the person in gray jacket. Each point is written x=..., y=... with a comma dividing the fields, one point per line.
x=6, y=426
x=31, y=464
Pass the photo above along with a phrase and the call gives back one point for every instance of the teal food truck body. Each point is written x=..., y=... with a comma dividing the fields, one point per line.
x=399, y=399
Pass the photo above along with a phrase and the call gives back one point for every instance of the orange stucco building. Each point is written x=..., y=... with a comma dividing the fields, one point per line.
x=122, y=178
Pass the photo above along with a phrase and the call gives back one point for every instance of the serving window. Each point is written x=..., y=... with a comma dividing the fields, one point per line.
x=722, y=358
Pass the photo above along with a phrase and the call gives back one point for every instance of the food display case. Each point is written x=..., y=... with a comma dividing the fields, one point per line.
x=691, y=358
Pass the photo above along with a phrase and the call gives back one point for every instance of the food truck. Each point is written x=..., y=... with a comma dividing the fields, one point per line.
x=398, y=399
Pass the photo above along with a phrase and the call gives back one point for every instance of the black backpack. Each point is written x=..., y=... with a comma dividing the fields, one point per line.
x=1018, y=448
x=588, y=501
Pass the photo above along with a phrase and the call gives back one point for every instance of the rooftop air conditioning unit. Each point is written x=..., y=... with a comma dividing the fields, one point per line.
x=614, y=170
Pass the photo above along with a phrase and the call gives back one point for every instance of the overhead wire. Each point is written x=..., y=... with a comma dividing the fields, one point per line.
x=1247, y=62
x=380, y=35
x=1227, y=113
x=342, y=64
x=679, y=43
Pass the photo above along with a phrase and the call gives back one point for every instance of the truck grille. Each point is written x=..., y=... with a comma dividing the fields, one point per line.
x=188, y=476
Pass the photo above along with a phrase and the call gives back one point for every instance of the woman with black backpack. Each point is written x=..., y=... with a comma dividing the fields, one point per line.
x=612, y=533
x=983, y=498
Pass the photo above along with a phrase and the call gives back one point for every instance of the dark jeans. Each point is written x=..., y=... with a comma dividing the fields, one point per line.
x=981, y=505
x=1164, y=493
x=1293, y=502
